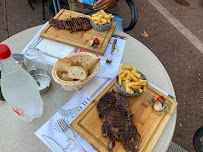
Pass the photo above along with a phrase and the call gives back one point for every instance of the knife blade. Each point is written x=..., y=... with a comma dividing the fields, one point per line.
x=162, y=91
x=55, y=146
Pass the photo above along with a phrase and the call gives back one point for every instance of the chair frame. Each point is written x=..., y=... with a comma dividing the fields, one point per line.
x=30, y=3
x=134, y=15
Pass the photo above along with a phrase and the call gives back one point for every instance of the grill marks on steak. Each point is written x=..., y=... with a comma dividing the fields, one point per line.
x=57, y=23
x=117, y=121
x=72, y=24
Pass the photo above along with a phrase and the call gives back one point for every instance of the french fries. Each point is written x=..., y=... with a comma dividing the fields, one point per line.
x=101, y=18
x=131, y=80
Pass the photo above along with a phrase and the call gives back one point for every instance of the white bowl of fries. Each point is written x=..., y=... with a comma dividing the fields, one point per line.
x=130, y=82
x=101, y=21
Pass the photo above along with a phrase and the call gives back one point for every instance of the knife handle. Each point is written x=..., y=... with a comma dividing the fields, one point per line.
x=78, y=144
x=113, y=46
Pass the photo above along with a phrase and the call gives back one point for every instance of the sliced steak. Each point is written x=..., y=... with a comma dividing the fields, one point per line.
x=117, y=121
x=57, y=23
x=72, y=24
x=85, y=24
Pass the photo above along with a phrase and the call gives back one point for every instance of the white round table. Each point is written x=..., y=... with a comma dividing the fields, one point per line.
x=19, y=136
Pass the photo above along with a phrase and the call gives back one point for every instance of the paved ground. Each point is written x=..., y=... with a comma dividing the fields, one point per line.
x=175, y=37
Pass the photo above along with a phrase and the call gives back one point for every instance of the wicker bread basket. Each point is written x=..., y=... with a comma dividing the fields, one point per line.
x=80, y=57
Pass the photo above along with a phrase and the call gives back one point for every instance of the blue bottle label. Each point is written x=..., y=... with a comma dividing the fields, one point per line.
x=88, y=2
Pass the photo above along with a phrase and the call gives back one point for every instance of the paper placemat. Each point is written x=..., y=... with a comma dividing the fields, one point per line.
x=109, y=70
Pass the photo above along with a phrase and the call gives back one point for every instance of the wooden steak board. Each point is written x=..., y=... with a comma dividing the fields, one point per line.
x=148, y=123
x=78, y=39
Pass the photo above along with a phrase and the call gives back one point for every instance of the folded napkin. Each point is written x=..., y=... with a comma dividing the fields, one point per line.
x=52, y=51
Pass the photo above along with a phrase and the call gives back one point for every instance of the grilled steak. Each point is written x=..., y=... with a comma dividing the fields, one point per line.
x=117, y=121
x=57, y=23
x=72, y=24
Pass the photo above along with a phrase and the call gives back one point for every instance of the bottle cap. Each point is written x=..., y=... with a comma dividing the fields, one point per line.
x=5, y=52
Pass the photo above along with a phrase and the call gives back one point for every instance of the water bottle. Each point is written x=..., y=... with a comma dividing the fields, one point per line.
x=19, y=88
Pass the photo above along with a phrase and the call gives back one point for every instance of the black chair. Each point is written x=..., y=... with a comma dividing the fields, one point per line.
x=43, y=9
x=134, y=15
x=53, y=5
x=196, y=140
x=131, y=4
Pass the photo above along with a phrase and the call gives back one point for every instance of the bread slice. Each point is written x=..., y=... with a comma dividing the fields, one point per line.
x=77, y=72
x=65, y=77
x=62, y=65
x=88, y=65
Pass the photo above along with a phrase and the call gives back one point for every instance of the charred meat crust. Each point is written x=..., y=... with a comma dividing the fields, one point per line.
x=117, y=121
x=72, y=24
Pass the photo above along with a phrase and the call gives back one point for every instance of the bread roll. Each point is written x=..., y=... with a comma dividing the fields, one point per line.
x=76, y=62
x=77, y=72
x=88, y=65
x=62, y=65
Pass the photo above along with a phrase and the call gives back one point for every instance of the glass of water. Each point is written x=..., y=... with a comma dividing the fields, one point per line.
x=67, y=100
x=34, y=59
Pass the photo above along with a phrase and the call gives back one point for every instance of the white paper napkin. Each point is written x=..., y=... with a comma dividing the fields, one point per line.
x=49, y=47
x=54, y=49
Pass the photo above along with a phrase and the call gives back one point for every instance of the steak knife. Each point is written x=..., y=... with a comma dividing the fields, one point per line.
x=55, y=146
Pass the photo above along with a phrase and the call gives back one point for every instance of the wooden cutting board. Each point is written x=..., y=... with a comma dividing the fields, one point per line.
x=78, y=39
x=148, y=123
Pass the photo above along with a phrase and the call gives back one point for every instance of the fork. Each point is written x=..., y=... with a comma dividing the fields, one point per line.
x=68, y=132
x=109, y=59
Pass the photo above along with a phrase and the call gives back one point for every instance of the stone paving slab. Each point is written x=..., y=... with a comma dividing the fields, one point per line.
x=3, y=25
x=189, y=16
x=20, y=16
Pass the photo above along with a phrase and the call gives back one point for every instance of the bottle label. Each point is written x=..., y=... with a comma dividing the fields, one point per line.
x=19, y=111
x=88, y=2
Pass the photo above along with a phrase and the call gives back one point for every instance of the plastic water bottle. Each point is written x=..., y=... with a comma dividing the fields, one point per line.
x=19, y=88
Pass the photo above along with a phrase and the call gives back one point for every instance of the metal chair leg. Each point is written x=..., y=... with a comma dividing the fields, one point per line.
x=59, y=4
x=30, y=3
x=55, y=7
x=43, y=10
